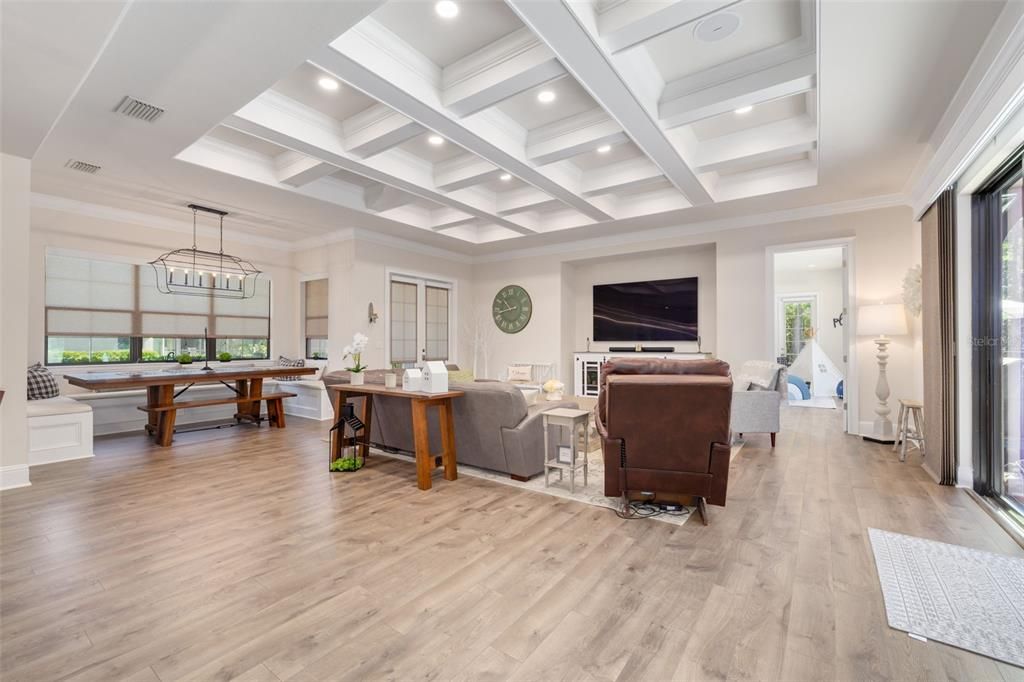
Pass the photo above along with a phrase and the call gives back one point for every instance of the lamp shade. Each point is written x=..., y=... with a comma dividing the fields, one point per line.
x=882, y=319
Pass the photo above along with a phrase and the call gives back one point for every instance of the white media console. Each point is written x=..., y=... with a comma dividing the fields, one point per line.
x=587, y=367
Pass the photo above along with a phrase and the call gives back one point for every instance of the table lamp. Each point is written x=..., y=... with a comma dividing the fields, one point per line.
x=881, y=321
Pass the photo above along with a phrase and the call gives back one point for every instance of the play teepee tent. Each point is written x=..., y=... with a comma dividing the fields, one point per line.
x=815, y=367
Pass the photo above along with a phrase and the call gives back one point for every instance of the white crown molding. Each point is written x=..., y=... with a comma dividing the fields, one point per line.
x=121, y=215
x=490, y=56
x=710, y=227
x=355, y=233
x=976, y=112
x=374, y=33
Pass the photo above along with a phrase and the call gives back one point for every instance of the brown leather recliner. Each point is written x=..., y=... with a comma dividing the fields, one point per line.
x=668, y=421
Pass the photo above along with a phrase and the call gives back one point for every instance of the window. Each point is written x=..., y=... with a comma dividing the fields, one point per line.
x=419, y=315
x=797, y=320
x=315, y=296
x=106, y=312
x=998, y=330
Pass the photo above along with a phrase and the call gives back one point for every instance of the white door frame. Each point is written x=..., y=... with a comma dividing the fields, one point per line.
x=851, y=382
x=426, y=278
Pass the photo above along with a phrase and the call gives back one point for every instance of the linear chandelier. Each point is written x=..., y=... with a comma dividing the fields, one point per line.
x=195, y=272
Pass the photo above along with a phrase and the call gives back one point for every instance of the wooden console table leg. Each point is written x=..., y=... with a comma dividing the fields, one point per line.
x=153, y=418
x=447, y=421
x=336, y=435
x=165, y=420
x=367, y=418
x=421, y=434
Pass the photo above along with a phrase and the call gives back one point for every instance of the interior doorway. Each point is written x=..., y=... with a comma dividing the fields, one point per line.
x=809, y=294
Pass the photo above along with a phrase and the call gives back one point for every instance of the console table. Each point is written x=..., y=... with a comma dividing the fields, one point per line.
x=587, y=367
x=419, y=402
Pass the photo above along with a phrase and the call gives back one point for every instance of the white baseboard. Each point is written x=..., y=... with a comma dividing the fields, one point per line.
x=14, y=476
x=928, y=470
x=56, y=455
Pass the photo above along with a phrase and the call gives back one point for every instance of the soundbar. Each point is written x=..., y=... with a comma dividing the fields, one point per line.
x=643, y=349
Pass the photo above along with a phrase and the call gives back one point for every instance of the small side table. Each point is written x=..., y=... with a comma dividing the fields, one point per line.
x=571, y=419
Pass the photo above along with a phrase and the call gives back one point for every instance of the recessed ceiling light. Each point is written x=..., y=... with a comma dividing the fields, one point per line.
x=505, y=177
x=446, y=9
x=545, y=96
x=328, y=83
x=436, y=140
x=604, y=149
x=812, y=265
x=744, y=110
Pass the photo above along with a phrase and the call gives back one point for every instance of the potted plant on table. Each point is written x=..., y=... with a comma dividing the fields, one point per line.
x=355, y=351
x=184, y=359
x=391, y=378
x=224, y=357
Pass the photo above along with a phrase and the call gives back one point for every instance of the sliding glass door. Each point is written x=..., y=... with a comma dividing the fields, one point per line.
x=998, y=216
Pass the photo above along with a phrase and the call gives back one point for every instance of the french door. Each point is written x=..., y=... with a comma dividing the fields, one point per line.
x=999, y=336
x=419, y=320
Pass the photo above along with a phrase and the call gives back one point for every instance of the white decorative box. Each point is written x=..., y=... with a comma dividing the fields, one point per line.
x=435, y=377
x=412, y=380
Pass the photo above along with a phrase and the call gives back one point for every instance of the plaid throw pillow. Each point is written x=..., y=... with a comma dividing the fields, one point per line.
x=41, y=383
x=285, y=362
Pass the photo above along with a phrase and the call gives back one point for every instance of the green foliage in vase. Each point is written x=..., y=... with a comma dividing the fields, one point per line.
x=224, y=357
x=347, y=464
x=184, y=359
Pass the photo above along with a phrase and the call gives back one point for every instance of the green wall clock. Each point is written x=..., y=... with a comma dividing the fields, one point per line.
x=512, y=309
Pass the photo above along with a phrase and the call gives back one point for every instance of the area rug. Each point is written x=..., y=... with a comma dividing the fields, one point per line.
x=819, y=402
x=970, y=599
x=592, y=493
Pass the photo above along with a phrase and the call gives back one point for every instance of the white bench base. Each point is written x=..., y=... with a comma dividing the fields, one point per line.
x=312, y=400
x=59, y=429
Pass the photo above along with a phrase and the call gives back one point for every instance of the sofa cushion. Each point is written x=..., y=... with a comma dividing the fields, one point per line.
x=47, y=407
x=42, y=384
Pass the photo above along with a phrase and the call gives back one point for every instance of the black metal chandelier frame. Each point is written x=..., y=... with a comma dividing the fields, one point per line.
x=196, y=272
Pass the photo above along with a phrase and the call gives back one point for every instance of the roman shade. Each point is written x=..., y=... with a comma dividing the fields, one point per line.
x=316, y=309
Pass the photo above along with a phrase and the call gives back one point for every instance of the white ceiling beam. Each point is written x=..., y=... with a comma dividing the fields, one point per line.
x=678, y=107
x=652, y=24
x=361, y=57
x=444, y=218
x=298, y=169
x=378, y=129
x=464, y=171
x=573, y=136
x=620, y=176
x=559, y=27
x=525, y=199
x=381, y=198
x=292, y=125
x=774, y=140
x=506, y=67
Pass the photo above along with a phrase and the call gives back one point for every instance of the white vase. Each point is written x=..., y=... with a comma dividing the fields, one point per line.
x=554, y=396
x=356, y=378
x=390, y=380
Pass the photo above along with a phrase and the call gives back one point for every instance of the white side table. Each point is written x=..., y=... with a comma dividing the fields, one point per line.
x=571, y=419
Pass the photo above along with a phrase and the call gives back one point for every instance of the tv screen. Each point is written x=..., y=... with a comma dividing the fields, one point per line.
x=660, y=310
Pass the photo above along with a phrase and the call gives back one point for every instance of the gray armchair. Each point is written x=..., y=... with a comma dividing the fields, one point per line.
x=760, y=390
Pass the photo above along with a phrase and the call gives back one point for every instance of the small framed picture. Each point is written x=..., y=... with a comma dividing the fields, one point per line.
x=564, y=454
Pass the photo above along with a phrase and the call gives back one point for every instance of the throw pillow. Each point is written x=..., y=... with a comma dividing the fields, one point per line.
x=42, y=384
x=520, y=373
x=463, y=375
x=282, y=361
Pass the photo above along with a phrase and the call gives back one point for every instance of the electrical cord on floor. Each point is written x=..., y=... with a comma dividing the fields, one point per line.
x=646, y=509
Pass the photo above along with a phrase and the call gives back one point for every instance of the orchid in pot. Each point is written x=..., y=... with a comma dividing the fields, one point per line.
x=355, y=351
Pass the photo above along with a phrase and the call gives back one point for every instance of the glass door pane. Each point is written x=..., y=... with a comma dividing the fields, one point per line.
x=1012, y=343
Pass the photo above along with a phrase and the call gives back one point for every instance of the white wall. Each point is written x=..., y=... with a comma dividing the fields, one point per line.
x=827, y=285
x=14, y=306
x=102, y=237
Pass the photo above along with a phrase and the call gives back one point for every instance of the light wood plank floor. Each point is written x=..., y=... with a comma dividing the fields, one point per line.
x=235, y=555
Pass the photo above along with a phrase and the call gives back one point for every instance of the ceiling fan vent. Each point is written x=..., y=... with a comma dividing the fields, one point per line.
x=134, y=108
x=82, y=166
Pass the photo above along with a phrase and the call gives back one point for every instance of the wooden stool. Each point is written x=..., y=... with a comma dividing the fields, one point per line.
x=908, y=409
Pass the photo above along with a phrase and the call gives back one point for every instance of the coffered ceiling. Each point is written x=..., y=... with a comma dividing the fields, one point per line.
x=512, y=122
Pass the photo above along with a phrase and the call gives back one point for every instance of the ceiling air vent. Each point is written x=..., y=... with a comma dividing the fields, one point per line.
x=74, y=164
x=134, y=108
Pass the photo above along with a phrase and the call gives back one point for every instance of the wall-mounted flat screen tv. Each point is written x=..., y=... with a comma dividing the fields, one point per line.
x=658, y=310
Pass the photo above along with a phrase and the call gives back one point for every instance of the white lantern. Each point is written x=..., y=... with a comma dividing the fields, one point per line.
x=435, y=377
x=412, y=380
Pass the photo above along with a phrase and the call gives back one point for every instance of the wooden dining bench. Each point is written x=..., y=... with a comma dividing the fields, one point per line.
x=162, y=417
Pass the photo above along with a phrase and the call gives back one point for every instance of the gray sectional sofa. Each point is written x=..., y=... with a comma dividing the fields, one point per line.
x=494, y=427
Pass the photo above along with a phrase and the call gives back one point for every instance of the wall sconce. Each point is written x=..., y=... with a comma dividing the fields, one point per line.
x=370, y=314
